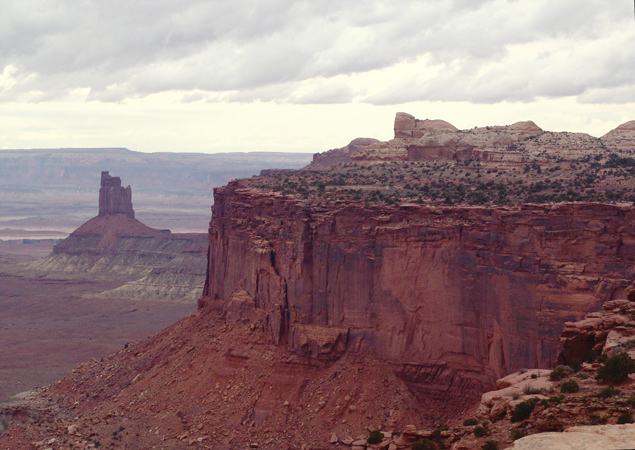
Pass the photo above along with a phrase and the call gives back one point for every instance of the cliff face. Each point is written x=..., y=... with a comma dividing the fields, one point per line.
x=113, y=198
x=456, y=297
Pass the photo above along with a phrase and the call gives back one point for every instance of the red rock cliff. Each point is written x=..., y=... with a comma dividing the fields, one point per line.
x=455, y=297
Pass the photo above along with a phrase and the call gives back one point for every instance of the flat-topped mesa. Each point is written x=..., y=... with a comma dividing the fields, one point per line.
x=113, y=198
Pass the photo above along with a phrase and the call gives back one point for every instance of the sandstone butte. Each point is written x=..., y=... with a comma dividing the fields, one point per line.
x=155, y=265
x=337, y=317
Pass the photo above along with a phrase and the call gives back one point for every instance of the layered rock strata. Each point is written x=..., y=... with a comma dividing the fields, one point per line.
x=152, y=264
x=338, y=156
x=113, y=198
x=416, y=140
x=456, y=297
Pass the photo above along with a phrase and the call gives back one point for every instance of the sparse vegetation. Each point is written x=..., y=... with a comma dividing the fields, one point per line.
x=576, y=365
x=470, y=422
x=424, y=444
x=591, y=356
x=542, y=178
x=569, y=387
x=616, y=369
x=517, y=433
x=595, y=419
x=523, y=410
x=490, y=445
x=625, y=418
x=530, y=390
x=375, y=437
x=481, y=430
x=560, y=372
x=607, y=392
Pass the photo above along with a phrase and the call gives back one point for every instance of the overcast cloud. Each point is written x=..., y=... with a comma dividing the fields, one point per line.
x=319, y=51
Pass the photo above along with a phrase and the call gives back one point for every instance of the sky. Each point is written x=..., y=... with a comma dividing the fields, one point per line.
x=304, y=75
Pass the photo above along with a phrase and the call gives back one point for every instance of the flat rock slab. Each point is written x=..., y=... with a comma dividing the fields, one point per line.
x=600, y=437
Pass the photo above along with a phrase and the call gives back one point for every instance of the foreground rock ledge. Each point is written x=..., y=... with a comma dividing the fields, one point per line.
x=597, y=437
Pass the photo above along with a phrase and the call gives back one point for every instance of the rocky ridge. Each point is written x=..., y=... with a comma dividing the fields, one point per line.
x=432, y=163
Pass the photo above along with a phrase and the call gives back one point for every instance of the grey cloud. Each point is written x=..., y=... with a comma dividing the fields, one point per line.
x=247, y=50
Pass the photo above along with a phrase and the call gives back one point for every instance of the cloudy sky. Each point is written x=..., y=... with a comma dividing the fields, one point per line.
x=295, y=75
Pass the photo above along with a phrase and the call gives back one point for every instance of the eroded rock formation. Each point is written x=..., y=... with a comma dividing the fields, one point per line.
x=155, y=265
x=338, y=156
x=113, y=198
x=416, y=139
x=456, y=296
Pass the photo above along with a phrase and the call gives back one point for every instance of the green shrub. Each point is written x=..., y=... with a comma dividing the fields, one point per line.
x=523, y=410
x=591, y=356
x=616, y=369
x=534, y=376
x=375, y=437
x=528, y=390
x=470, y=422
x=576, y=365
x=608, y=392
x=490, y=445
x=597, y=420
x=625, y=418
x=560, y=372
x=481, y=431
x=631, y=401
x=424, y=444
x=556, y=399
x=569, y=387
x=518, y=433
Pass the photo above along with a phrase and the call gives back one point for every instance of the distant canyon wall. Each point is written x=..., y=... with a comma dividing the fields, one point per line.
x=456, y=295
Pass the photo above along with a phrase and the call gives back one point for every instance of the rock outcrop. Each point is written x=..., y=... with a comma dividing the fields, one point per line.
x=408, y=127
x=598, y=437
x=416, y=140
x=113, y=198
x=339, y=156
x=457, y=296
x=610, y=330
x=622, y=138
x=152, y=264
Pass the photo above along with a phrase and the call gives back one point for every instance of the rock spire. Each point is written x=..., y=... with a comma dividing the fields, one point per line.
x=113, y=198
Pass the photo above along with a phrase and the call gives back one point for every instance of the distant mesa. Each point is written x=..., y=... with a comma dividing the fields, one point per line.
x=432, y=139
x=116, y=217
x=113, y=198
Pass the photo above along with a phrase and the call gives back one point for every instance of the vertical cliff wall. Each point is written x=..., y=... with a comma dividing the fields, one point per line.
x=463, y=292
x=114, y=198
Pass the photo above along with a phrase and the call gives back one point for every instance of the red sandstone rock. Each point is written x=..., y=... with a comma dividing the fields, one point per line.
x=459, y=296
x=113, y=198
